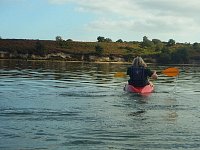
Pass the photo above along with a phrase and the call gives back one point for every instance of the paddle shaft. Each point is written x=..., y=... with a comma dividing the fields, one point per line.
x=171, y=72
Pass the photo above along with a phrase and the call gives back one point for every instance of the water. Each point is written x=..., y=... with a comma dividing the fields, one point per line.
x=70, y=105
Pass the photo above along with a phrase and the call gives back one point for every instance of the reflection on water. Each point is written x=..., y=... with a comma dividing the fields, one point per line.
x=74, y=105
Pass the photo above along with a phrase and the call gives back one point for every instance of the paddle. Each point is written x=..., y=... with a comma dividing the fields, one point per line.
x=171, y=72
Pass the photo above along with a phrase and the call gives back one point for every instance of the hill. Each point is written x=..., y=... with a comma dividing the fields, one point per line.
x=152, y=51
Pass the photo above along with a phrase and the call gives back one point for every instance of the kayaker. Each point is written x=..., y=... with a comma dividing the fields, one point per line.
x=139, y=73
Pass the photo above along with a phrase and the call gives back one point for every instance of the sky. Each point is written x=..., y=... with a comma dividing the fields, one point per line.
x=85, y=20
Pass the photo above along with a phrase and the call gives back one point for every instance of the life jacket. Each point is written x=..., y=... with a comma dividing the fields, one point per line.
x=138, y=76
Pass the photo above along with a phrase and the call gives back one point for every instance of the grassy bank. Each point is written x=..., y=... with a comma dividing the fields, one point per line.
x=159, y=52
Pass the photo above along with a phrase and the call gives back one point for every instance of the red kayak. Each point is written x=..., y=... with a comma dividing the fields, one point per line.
x=141, y=90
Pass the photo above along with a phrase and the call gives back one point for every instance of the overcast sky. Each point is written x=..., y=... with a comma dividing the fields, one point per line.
x=85, y=20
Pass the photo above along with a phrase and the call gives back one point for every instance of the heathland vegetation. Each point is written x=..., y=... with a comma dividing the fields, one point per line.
x=104, y=49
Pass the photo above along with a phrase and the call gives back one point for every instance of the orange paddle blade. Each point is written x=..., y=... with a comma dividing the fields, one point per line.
x=120, y=74
x=171, y=72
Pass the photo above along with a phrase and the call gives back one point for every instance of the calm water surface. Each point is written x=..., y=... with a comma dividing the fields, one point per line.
x=70, y=105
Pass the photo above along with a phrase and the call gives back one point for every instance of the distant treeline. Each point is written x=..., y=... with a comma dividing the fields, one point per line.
x=155, y=49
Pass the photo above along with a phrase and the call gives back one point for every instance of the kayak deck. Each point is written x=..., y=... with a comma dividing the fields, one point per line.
x=141, y=90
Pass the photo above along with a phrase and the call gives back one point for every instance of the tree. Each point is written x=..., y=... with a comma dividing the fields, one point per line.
x=156, y=41
x=181, y=55
x=119, y=41
x=40, y=48
x=159, y=47
x=60, y=41
x=108, y=40
x=146, y=42
x=69, y=40
x=99, y=50
x=59, y=38
x=100, y=39
x=165, y=50
x=171, y=42
x=158, y=44
x=164, y=58
x=103, y=39
x=196, y=45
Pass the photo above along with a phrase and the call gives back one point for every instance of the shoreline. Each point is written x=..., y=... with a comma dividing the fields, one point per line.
x=78, y=61
x=97, y=62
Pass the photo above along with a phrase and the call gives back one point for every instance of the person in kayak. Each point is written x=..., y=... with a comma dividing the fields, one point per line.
x=139, y=73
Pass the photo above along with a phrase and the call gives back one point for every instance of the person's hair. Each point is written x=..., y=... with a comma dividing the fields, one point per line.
x=139, y=62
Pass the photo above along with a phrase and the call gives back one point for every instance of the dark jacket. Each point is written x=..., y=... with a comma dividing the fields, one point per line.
x=138, y=76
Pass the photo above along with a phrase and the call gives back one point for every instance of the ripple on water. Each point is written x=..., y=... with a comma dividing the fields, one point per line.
x=38, y=114
x=64, y=105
